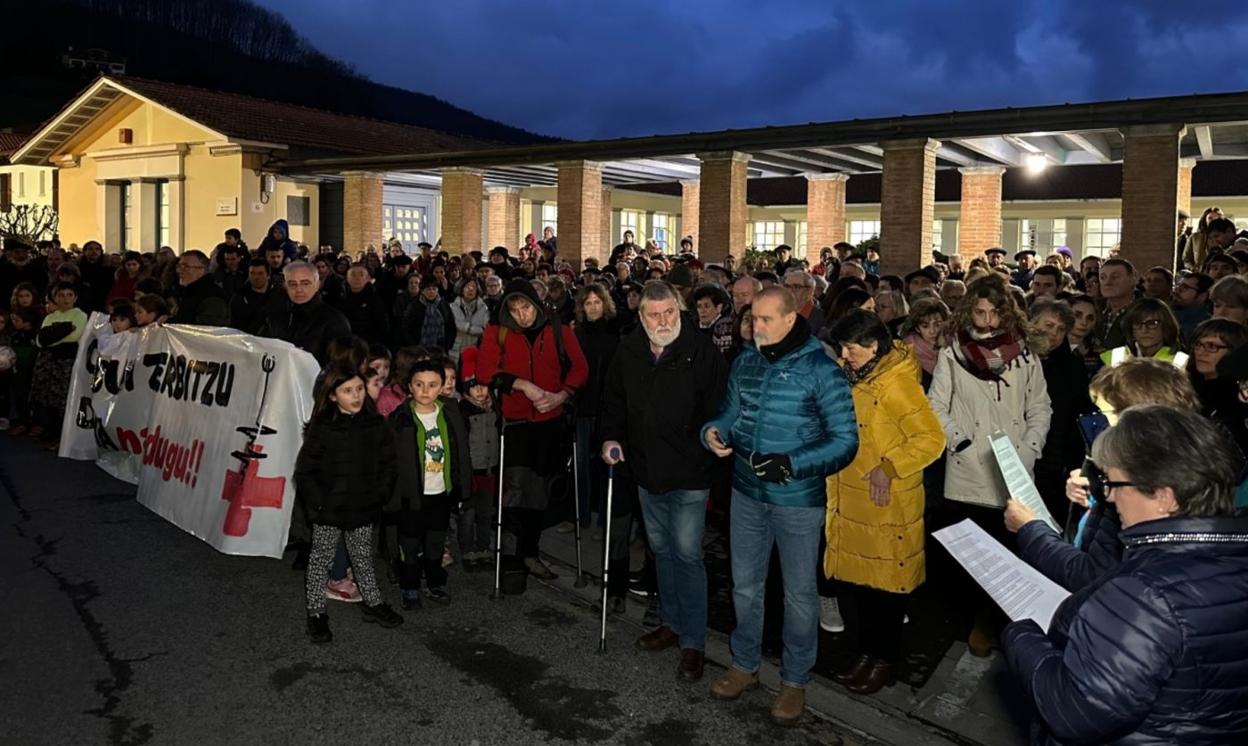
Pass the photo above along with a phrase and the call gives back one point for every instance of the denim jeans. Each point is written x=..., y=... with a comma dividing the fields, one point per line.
x=795, y=531
x=591, y=483
x=675, y=522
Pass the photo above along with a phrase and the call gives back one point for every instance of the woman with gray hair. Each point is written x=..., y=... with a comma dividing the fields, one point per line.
x=1155, y=650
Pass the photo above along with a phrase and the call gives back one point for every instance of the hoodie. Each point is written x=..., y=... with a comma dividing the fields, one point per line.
x=510, y=352
x=285, y=244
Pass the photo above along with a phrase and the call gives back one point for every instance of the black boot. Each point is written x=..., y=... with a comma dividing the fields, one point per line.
x=318, y=629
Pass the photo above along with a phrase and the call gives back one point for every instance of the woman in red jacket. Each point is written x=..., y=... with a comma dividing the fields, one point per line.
x=536, y=365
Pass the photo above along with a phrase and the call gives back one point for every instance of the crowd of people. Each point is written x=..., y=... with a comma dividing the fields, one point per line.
x=823, y=412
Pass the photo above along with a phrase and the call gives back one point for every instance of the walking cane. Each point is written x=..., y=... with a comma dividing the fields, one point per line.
x=581, y=579
x=497, y=593
x=614, y=453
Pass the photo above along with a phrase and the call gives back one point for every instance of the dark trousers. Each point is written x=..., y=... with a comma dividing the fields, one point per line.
x=881, y=616
x=422, y=536
x=476, y=515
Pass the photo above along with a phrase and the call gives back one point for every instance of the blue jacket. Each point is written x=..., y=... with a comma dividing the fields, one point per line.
x=287, y=246
x=1069, y=566
x=1153, y=652
x=799, y=405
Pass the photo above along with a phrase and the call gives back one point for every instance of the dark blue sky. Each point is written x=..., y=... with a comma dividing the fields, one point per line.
x=602, y=68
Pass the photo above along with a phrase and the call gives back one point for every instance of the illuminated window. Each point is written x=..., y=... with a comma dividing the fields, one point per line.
x=660, y=229
x=408, y=224
x=550, y=216
x=1043, y=236
x=127, y=225
x=768, y=234
x=861, y=230
x=630, y=220
x=1100, y=235
x=801, y=238
x=162, y=213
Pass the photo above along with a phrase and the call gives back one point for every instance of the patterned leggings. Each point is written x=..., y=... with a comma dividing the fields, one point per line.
x=359, y=543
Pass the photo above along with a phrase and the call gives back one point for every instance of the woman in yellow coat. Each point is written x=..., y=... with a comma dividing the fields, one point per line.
x=874, y=521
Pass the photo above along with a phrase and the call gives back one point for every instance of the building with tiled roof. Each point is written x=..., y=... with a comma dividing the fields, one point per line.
x=144, y=163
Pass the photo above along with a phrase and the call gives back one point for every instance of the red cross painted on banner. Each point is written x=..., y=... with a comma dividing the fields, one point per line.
x=249, y=491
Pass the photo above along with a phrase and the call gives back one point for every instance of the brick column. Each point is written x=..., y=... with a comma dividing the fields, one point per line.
x=722, y=208
x=825, y=213
x=907, y=204
x=361, y=211
x=1150, y=193
x=605, y=239
x=461, y=210
x=690, y=190
x=979, y=220
x=504, y=221
x=1185, y=185
x=580, y=212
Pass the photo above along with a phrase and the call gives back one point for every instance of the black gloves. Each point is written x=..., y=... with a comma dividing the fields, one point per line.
x=771, y=467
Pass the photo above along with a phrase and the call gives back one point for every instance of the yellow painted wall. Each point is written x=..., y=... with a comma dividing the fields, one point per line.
x=210, y=178
x=77, y=200
x=26, y=185
x=207, y=179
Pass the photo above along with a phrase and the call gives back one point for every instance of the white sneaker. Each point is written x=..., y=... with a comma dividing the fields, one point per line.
x=830, y=615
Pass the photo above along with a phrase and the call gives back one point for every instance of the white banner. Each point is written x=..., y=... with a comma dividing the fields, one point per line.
x=207, y=422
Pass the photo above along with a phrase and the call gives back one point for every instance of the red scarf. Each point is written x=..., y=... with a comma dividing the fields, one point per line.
x=988, y=358
x=928, y=354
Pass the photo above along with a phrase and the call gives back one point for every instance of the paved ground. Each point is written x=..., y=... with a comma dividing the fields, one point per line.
x=119, y=628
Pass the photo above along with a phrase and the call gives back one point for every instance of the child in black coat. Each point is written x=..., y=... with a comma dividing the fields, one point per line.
x=431, y=440
x=344, y=475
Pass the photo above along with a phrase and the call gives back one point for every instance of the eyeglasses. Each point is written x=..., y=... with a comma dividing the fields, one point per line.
x=1204, y=346
x=1147, y=324
x=1099, y=482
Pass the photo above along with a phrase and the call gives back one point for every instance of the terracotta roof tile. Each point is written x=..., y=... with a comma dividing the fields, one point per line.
x=10, y=142
x=308, y=132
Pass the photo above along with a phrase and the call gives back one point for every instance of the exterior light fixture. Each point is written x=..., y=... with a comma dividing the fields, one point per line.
x=1036, y=163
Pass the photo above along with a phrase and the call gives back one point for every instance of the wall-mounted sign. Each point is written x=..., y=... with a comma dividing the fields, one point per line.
x=227, y=206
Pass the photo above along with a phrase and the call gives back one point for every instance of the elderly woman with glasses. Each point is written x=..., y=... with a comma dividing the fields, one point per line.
x=1219, y=394
x=1154, y=651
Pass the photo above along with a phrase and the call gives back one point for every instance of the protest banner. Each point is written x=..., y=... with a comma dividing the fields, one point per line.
x=206, y=421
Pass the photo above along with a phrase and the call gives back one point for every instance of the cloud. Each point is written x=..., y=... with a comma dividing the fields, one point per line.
x=610, y=68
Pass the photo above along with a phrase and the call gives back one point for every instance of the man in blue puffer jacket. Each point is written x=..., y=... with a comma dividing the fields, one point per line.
x=788, y=419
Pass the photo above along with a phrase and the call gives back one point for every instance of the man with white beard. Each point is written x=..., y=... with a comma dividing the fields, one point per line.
x=664, y=382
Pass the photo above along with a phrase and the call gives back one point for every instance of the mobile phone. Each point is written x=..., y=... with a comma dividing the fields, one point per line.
x=1092, y=425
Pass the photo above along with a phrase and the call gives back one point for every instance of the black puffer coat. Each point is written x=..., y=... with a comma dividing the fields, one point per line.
x=599, y=340
x=346, y=469
x=367, y=314
x=656, y=410
x=309, y=326
x=1153, y=652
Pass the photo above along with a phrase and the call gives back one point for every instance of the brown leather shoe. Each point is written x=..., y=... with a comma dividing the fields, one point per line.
x=878, y=676
x=854, y=671
x=732, y=684
x=787, y=708
x=659, y=638
x=980, y=642
x=691, y=662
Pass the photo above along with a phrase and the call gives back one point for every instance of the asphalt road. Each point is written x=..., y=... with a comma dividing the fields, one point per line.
x=119, y=628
